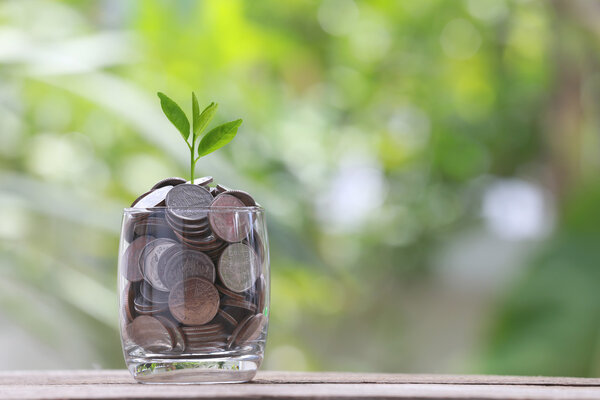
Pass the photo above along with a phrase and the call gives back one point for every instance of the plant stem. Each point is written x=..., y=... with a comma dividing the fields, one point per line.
x=193, y=164
x=192, y=161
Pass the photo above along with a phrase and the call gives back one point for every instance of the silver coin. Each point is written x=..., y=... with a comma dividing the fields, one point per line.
x=149, y=261
x=186, y=264
x=220, y=189
x=150, y=334
x=188, y=202
x=149, y=293
x=239, y=267
x=153, y=198
x=205, y=180
x=175, y=331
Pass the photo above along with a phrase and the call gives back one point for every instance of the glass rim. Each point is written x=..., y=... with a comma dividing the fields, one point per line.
x=251, y=209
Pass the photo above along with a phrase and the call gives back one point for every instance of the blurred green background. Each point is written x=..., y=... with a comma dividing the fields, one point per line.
x=430, y=171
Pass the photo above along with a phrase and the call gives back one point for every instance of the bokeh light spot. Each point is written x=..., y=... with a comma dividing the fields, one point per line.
x=338, y=17
x=460, y=39
x=140, y=172
x=515, y=209
x=488, y=10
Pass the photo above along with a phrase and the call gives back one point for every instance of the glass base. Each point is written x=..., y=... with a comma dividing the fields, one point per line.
x=194, y=371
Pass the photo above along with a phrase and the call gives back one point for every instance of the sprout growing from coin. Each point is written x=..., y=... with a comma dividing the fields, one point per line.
x=213, y=140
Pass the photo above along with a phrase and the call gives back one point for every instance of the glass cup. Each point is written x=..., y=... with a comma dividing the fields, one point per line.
x=193, y=293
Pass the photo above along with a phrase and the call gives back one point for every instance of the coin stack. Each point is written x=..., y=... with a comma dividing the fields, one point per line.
x=194, y=270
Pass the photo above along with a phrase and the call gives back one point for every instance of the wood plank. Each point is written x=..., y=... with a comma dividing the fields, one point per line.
x=290, y=385
x=353, y=377
x=69, y=377
x=299, y=391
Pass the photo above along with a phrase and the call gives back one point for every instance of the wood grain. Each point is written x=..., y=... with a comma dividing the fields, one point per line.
x=113, y=384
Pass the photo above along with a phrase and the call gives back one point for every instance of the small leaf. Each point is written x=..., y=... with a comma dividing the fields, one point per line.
x=175, y=114
x=218, y=137
x=204, y=118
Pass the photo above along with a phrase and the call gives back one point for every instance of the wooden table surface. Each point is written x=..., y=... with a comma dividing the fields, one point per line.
x=118, y=384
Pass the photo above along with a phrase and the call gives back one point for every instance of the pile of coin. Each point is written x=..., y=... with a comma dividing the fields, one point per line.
x=193, y=267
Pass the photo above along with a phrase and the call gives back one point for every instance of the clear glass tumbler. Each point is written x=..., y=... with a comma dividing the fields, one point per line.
x=193, y=293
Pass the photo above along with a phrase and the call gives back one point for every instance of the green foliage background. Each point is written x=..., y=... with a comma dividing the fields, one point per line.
x=425, y=103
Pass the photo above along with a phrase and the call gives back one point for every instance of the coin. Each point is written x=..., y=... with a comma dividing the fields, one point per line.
x=204, y=181
x=188, y=202
x=200, y=341
x=229, y=225
x=129, y=223
x=243, y=196
x=220, y=189
x=193, y=337
x=203, y=326
x=239, y=267
x=251, y=330
x=189, y=235
x=141, y=196
x=229, y=293
x=193, y=240
x=237, y=313
x=239, y=303
x=200, y=338
x=237, y=330
x=255, y=241
x=150, y=334
x=210, y=240
x=152, y=295
x=156, y=227
x=227, y=317
x=215, y=249
x=205, y=243
x=261, y=292
x=186, y=264
x=131, y=258
x=168, y=182
x=201, y=246
x=199, y=334
x=128, y=299
x=139, y=215
x=203, y=329
x=144, y=307
x=165, y=256
x=188, y=227
x=153, y=198
x=153, y=220
x=141, y=303
x=176, y=333
x=149, y=261
x=191, y=223
x=194, y=301
x=215, y=253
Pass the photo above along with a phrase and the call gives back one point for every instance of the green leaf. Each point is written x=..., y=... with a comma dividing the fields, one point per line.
x=218, y=137
x=175, y=114
x=204, y=118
